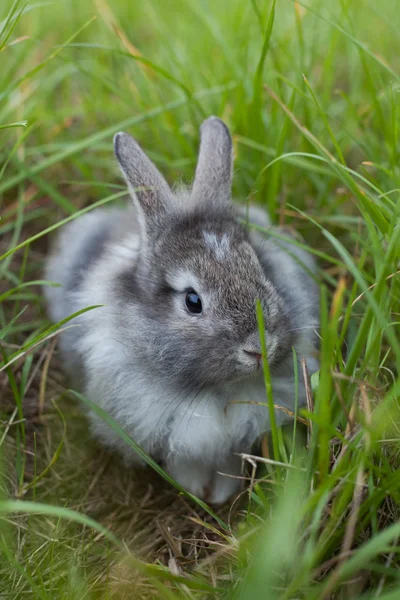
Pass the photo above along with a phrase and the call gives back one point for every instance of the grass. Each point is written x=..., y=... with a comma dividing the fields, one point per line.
x=311, y=92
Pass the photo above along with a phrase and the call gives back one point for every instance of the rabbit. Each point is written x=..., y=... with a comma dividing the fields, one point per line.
x=173, y=353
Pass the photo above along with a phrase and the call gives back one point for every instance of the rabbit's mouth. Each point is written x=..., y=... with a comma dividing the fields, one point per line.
x=247, y=367
x=252, y=357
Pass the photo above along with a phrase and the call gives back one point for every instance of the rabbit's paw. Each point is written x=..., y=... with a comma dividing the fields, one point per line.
x=212, y=483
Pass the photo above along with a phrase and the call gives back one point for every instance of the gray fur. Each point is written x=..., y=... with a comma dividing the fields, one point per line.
x=180, y=383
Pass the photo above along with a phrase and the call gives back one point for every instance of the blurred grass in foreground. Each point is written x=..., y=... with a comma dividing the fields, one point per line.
x=311, y=92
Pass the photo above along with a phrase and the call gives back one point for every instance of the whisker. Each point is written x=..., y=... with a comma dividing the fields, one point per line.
x=190, y=404
x=190, y=389
x=314, y=327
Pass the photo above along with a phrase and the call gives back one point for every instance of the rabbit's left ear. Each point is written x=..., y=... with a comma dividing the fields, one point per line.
x=149, y=190
x=213, y=178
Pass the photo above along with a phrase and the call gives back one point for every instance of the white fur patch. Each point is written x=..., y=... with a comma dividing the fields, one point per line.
x=218, y=245
x=182, y=280
x=127, y=251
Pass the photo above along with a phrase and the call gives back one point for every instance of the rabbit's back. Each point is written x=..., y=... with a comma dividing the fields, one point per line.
x=80, y=248
x=79, y=245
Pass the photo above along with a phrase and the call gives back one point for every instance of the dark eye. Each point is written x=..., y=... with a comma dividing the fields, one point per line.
x=193, y=302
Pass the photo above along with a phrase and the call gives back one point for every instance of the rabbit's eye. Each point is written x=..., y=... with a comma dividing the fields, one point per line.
x=193, y=302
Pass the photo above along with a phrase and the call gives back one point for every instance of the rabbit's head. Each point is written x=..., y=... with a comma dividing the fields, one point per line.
x=194, y=288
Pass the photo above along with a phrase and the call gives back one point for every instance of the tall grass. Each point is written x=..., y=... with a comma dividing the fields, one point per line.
x=311, y=92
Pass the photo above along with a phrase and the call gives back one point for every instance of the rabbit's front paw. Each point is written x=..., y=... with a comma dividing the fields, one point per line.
x=211, y=483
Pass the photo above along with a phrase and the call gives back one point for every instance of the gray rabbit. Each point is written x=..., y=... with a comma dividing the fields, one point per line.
x=174, y=354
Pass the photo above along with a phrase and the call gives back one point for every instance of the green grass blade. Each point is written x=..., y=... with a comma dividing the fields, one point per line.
x=8, y=507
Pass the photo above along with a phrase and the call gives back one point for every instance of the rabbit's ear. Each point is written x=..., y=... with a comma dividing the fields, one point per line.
x=146, y=184
x=213, y=178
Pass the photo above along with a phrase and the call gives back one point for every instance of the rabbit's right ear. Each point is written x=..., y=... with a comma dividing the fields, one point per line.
x=213, y=179
x=147, y=186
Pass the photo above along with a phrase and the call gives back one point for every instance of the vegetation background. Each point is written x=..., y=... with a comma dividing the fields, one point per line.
x=311, y=92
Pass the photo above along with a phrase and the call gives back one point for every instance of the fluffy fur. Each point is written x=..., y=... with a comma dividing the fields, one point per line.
x=180, y=383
